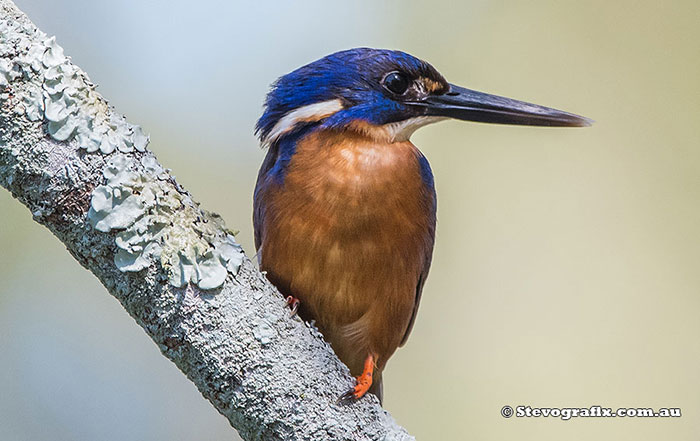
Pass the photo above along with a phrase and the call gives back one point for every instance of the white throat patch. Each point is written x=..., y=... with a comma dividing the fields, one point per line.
x=309, y=113
x=402, y=130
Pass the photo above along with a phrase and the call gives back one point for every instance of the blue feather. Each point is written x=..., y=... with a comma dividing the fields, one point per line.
x=354, y=77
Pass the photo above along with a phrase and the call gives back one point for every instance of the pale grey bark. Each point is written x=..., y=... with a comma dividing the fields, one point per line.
x=271, y=376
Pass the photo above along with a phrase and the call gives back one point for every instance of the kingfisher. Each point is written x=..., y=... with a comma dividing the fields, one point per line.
x=345, y=205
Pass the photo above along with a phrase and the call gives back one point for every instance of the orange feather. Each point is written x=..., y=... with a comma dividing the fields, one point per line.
x=349, y=232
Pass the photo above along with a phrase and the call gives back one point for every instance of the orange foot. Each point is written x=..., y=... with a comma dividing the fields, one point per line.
x=364, y=382
x=293, y=304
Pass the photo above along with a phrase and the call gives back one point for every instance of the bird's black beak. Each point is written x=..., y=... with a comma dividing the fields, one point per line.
x=470, y=105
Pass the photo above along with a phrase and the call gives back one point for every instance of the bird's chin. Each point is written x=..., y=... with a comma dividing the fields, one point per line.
x=398, y=131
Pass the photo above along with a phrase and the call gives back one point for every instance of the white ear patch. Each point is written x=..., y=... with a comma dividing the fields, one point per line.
x=309, y=113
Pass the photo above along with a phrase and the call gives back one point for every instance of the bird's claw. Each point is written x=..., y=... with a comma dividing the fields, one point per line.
x=293, y=304
x=348, y=397
x=362, y=385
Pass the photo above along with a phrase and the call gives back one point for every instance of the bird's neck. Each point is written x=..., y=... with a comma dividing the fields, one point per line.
x=355, y=160
x=359, y=149
x=389, y=133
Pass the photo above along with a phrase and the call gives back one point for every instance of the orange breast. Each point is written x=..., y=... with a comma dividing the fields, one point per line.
x=348, y=232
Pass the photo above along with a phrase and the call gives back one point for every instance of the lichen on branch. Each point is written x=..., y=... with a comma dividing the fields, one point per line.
x=155, y=222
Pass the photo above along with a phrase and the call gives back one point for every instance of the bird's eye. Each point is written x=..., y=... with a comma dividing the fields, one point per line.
x=396, y=82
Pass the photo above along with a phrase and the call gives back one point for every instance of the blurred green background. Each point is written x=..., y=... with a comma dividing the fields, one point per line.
x=566, y=268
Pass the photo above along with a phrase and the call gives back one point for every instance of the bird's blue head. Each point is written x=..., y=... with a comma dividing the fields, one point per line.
x=389, y=92
x=347, y=87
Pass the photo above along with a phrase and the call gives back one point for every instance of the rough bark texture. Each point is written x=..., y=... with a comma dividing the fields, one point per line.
x=271, y=376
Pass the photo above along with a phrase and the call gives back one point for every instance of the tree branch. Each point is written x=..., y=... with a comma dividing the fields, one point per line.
x=87, y=175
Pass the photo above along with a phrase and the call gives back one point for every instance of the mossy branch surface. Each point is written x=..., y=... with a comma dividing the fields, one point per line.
x=88, y=176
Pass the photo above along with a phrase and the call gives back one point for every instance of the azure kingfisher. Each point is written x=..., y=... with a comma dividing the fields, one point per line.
x=344, y=205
